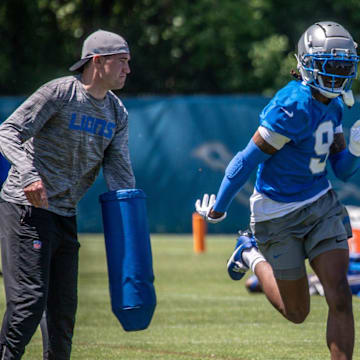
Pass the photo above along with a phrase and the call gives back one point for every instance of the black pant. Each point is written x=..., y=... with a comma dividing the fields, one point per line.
x=40, y=265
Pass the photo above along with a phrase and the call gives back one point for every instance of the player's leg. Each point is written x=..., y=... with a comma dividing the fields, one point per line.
x=315, y=288
x=290, y=297
x=62, y=298
x=331, y=268
x=25, y=267
x=287, y=287
x=309, y=231
x=328, y=253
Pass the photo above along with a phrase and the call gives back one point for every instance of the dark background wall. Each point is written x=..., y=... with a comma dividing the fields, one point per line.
x=180, y=147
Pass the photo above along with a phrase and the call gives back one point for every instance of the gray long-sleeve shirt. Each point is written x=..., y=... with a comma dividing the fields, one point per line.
x=62, y=135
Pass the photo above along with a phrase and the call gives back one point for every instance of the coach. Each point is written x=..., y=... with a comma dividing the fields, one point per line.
x=56, y=142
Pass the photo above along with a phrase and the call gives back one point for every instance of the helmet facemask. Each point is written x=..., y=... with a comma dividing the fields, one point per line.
x=332, y=74
x=325, y=66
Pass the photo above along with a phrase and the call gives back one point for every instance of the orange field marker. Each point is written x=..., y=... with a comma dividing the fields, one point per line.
x=199, y=232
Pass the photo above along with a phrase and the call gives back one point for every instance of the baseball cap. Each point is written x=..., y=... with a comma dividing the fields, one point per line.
x=101, y=42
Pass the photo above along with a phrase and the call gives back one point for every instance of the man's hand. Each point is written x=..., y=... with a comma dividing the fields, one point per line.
x=36, y=194
x=204, y=208
x=354, y=144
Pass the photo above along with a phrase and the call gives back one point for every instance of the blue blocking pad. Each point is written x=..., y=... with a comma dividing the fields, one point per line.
x=129, y=257
x=4, y=169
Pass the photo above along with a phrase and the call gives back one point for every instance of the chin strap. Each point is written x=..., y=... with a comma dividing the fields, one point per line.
x=329, y=94
x=348, y=98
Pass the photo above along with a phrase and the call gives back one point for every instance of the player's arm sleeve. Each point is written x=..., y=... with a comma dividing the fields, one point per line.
x=344, y=163
x=22, y=125
x=117, y=169
x=237, y=173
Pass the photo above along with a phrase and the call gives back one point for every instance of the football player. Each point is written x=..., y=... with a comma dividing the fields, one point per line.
x=295, y=213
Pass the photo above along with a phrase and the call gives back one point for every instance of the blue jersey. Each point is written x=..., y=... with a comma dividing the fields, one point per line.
x=298, y=170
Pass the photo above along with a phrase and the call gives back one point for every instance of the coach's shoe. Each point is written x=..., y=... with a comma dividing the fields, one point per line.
x=236, y=267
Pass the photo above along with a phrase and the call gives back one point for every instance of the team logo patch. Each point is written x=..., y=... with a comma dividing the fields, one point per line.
x=37, y=244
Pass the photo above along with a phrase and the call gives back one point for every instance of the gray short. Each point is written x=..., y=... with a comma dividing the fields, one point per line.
x=304, y=233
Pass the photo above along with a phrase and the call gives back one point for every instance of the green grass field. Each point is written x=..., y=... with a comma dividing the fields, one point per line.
x=201, y=313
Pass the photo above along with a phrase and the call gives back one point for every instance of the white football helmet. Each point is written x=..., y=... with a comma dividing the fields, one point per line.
x=327, y=58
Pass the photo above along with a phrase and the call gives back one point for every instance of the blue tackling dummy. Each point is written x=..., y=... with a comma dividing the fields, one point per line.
x=129, y=257
x=4, y=169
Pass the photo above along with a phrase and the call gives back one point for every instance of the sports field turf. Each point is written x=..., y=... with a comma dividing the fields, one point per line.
x=201, y=313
